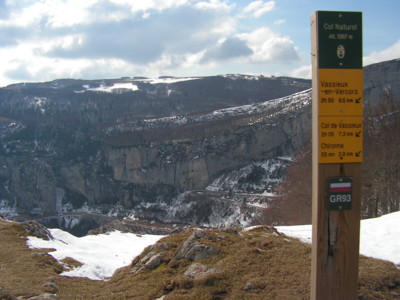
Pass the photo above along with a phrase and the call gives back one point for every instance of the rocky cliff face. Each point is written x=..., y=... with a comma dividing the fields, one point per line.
x=190, y=162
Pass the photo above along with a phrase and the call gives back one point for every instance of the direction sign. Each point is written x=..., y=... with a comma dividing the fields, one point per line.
x=340, y=87
x=341, y=139
x=341, y=92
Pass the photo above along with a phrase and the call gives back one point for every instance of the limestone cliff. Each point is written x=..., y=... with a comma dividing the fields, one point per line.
x=191, y=162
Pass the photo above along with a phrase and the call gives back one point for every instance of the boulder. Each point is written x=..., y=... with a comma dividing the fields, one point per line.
x=45, y=296
x=192, y=250
x=154, y=261
x=36, y=229
x=50, y=287
x=198, y=271
x=149, y=262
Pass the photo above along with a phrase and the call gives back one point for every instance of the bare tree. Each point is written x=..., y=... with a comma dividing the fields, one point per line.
x=381, y=168
x=381, y=171
x=293, y=204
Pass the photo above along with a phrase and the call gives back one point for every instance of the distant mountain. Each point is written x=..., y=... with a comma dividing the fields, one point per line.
x=74, y=150
x=77, y=154
x=380, y=80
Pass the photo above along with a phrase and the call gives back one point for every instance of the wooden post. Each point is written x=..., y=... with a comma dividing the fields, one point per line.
x=337, y=153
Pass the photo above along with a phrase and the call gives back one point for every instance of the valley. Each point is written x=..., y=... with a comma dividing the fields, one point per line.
x=207, y=151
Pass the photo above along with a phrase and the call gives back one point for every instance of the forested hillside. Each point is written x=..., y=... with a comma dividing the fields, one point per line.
x=380, y=170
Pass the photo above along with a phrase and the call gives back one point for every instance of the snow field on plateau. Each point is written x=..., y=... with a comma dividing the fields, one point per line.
x=130, y=85
x=112, y=88
x=101, y=255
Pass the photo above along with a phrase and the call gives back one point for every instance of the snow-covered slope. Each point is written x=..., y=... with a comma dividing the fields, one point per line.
x=274, y=108
x=258, y=177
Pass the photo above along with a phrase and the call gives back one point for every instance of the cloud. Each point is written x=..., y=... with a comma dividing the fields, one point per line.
x=20, y=72
x=138, y=37
x=47, y=39
x=258, y=8
x=3, y=10
x=301, y=72
x=268, y=47
x=393, y=52
x=230, y=48
x=280, y=22
x=38, y=15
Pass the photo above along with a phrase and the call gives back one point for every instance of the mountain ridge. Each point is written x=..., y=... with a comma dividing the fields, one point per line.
x=156, y=157
x=138, y=152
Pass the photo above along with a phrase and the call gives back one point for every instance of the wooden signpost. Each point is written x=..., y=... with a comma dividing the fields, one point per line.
x=337, y=91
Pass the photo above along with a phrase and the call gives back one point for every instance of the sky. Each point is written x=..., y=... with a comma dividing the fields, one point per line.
x=43, y=40
x=101, y=255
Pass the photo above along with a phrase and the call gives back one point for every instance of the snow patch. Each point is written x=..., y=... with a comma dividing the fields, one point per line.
x=101, y=255
x=241, y=76
x=7, y=210
x=379, y=237
x=36, y=102
x=116, y=87
x=272, y=171
x=167, y=80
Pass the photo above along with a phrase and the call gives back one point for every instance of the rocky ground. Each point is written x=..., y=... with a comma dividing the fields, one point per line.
x=193, y=264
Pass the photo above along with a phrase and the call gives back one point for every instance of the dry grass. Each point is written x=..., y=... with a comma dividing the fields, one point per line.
x=70, y=263
x=23, y=271
x=258, y=264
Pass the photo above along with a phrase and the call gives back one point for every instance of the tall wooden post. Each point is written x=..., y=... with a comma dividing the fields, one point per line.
x=337, y=83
